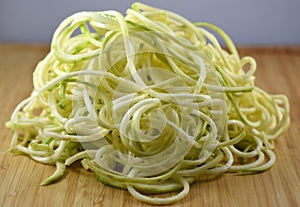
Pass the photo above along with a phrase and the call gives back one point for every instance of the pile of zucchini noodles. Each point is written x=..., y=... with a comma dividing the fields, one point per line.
x=149, y=102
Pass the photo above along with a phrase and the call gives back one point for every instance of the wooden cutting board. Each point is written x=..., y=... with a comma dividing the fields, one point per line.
x=278, y=72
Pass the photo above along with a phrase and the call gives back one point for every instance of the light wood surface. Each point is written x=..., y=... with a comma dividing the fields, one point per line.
x=278, y=72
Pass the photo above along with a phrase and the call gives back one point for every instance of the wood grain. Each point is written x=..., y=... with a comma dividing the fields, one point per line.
x=278, y=72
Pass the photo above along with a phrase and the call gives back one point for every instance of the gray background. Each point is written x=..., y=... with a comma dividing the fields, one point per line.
x=255, y=22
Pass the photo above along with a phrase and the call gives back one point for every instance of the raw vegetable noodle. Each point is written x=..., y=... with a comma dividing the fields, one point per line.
x=149, y=102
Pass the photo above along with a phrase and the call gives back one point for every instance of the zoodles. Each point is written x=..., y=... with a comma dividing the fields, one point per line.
x=149, y=102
